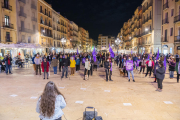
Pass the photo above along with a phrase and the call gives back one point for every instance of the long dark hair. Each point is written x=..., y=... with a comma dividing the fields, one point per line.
x=48, y=98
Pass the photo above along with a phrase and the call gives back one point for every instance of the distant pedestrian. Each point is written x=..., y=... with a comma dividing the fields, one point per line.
x=87, y=69
x=38, y=61
x=8, y=64
x=54, y=64
x=160, y=74
x=72, y=65
x=34, y=65
x=150, y=66
x=45, y=67
x=78, y=64
x=66, y=64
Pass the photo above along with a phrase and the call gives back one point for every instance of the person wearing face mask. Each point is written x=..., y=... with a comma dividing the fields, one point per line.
x=38, y=61
x=78, y=64
x=72, y=65
x=107, y=66
x=124, y=66
x=54, y=64
x=87, y=68
x=66, y=63
x=143, y=65
x=129, y=68
x=150, y=66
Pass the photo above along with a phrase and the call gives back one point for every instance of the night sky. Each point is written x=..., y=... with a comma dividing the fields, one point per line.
x=97, y=16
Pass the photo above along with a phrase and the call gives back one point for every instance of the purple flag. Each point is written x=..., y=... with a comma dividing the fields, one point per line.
x=137, y=63
x=77, y=52
x=94, y=54
x=165, y=63
x=148, y=56
x=131, y=52
x=83, y=60
x=111, y=51
x=111, y=67
x=74, y=57
x=157, y=57
x=63, y=56
x=129, y=65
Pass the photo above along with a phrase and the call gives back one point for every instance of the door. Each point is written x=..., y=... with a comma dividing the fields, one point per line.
x=6, y=3
x=22, y=25
x=7, y=36
x=165, y=37
x=165, y=52
x=6, y=21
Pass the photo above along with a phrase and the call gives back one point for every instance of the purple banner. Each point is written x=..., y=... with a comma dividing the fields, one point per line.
x=129, y=65
x=83, y=60
x=137, y=63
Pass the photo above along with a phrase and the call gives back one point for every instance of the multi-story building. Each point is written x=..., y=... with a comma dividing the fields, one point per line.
x=45, y=24
x=64, y=23
x=56, y=28
x=75, y=32
x=177, y=27
x=8, y=21
x=105, y=41
x=91, y=43
x=83, y=38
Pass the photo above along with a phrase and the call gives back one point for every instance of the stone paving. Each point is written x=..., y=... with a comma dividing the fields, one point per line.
x=117, y=100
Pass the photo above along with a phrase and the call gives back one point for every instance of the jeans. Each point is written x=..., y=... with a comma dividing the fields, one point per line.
x=8, y=67
x=60, y=66
x=108, y=74
x=55, y=69
x=0, y=68
x=117, y=62
x=65, y=69
x=38, y=67
x=45, y=73
x=131, y=74
x=159, y=83
x=171, y=74
x=77, y=67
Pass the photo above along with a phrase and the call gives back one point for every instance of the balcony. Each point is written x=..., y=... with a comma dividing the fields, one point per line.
x=47, y=35
x=23, y=1
x=54, y=28
x=177, y=38
x=176, y=18
x=8, y=39
x=164, y=39
x=6, y=6
x=8, y=25
x=146, y=32
x=22, y=14
x=145, y=8
x=165, y=6
x=165, y=21
x=25, y=30
x=34, y=19
x=33, y=6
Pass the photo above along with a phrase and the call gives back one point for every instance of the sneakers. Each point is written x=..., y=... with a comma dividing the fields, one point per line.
x=160, y=90
x=133, y=80
x=154, y=81
x=110, y=80
x=43, y=78
x=157, y=90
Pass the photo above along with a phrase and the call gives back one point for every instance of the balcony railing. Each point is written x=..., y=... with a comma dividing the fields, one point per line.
x=8, y=25
x=8, y=39
x=166, y=5
x=25, y=30
x=24, y=1
x=6, y=6
x=164, y=39
x=34, y=19
x=47, y=35
x=177, y=38
x=146, y=32
x=54, y=28
x=33, y=6
x=145, y=8
x=22, y=14
x=165, y=21
x=176, y=18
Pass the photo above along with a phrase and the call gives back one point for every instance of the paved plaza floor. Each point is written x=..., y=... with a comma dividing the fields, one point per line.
x=117, y=100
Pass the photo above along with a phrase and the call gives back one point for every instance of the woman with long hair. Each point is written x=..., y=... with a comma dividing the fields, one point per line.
x=51, y=103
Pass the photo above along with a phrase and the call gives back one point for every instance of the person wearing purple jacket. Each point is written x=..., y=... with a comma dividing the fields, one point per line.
x=172, y=65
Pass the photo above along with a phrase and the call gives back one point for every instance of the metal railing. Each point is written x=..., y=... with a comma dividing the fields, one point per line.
x=33, y=6
x=6, y=6
x=164, y=39
x=177, y=38
x=176, y=18
x=25, y=30
x=24, y=1
x=34, y=19
x=8, y=25
x=8, y=39
x=47, y=35
x=166, y=5
x=165, y=21
x=22, y=14
x=146, y=32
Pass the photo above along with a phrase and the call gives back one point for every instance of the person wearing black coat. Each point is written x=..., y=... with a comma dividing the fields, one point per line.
x=66, y=64
x=107, y=66
x=160, y=74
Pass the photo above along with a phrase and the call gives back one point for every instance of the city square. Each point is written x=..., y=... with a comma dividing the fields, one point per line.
x=89, y=60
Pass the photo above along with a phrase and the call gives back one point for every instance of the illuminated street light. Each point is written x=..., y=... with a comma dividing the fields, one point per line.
x=63, y=41
x=117, y=42
x=146, y=29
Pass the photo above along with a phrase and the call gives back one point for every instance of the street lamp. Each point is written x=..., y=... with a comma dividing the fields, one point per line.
x=117, y=42
x=63, y=41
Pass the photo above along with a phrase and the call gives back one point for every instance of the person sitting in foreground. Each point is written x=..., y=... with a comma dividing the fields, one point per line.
x=51, y=103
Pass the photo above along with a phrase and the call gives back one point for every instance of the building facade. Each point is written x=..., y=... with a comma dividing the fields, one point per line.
x=105, y=41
